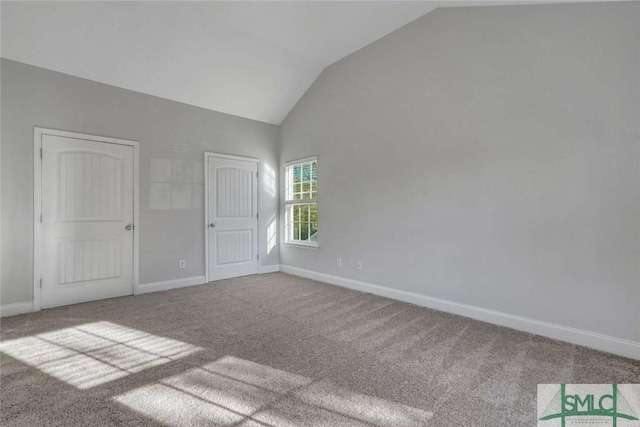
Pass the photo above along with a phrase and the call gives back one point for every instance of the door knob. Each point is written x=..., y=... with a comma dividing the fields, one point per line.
x=212, y=225
x=129, y=227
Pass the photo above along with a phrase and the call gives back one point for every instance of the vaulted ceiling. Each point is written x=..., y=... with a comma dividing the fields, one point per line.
x=249, y=59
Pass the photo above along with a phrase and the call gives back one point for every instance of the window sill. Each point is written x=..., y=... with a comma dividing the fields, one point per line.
x=301, y=245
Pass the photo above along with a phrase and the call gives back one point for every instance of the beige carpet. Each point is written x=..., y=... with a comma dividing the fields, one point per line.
x=277, y=350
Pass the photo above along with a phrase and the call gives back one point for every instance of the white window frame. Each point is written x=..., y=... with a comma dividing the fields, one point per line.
x=289, y=202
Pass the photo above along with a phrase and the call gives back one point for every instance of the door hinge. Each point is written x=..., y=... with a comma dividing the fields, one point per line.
x=257, y=215
x=257, y=256
x=41, y=282
x=40, y=218
x=41, y=153
x=256, y=174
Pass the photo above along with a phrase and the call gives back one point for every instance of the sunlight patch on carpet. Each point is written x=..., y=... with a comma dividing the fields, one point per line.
x=233, y=391
x=91, y=354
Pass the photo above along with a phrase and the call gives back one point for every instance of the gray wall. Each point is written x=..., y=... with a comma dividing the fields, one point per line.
x=166, y=130
x=488, y=156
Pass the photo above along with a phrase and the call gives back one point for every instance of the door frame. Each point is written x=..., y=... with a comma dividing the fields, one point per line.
x=38, y=133
x=207, y=156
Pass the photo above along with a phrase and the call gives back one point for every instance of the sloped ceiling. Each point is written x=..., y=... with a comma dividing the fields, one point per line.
x=249, y=59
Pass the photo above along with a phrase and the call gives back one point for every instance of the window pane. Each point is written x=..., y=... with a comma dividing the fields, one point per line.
x=296, y=231
x=313, y=237
x=296, y=213
x=313, y=213
x=304, y=231
x=296, y=173
x=301, y=190
x=288, y=186
x=306, y=172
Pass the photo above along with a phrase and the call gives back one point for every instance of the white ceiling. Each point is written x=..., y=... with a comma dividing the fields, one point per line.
x=249, y=59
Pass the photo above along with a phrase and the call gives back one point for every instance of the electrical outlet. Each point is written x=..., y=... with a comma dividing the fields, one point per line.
x=183, y=263
x=359, y=266
x=339, y=262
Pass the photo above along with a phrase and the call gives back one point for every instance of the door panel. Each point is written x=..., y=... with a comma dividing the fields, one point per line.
x=234, y=246
x=232, y=221
x=85, y=260
x=234, y=198
x=87, y=204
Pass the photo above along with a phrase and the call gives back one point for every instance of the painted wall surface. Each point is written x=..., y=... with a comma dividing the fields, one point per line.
x=173, y=138
x=488, y=156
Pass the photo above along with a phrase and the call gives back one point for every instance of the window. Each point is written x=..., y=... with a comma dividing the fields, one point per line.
x=301, y=190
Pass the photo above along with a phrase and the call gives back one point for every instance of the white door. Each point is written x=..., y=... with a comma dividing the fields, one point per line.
x=87, y=220
x=232, y=221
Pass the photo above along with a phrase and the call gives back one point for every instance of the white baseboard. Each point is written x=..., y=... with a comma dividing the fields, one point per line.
x=269, y=268
x=571, y=335
x=27, y=307
x=15, y=309
x=170, y=284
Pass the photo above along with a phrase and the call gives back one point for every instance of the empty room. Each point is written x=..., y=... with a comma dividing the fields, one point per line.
x=320, y=213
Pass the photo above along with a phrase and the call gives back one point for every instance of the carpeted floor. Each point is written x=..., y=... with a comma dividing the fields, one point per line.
x=278, y=350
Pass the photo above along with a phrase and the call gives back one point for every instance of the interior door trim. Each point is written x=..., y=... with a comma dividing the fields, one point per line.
x=38, y=134
x=207, y=156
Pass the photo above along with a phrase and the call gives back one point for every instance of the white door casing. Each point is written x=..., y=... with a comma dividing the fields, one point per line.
x=231, y=213
x=86, y=243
